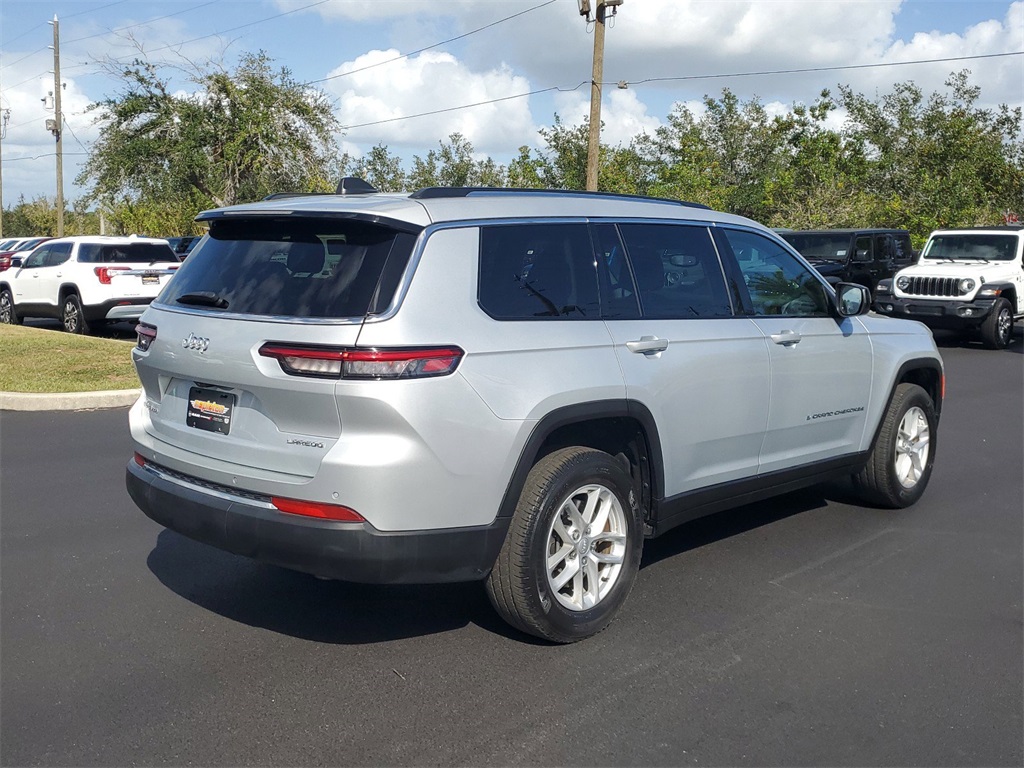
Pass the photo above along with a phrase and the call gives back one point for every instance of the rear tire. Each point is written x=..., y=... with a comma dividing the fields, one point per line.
x=900, y=462
x=72, y=317
x=573, y=548
x=8, y=315
x=997, y=328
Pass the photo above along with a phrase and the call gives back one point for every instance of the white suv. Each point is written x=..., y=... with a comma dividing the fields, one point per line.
x=87, y=280
x=966, y=280
x=511, y=386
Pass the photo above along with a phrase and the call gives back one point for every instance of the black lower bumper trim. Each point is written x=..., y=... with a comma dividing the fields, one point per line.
x=346, y=551
x=947, y=314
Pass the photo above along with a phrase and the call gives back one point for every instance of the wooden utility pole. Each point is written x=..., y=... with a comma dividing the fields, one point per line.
x=58, y=130
x=594, y=143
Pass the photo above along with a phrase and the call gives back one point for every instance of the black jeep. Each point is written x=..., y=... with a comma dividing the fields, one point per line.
x=862, y=256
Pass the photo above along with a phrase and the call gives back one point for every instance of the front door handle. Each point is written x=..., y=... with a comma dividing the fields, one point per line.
x=786, y=338
x=647, y=345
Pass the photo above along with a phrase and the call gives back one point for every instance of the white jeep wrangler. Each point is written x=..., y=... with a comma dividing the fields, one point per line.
x=966, y=279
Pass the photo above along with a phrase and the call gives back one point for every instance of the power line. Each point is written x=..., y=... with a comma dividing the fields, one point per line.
x=429, y=47
x=69, y=16
x=141, y=23
x=26, y=56
x=687, y=77
x=821, y=69
x=40, y=157
x=467, y=106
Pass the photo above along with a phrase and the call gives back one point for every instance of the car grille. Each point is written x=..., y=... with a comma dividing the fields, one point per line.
x=933, y=286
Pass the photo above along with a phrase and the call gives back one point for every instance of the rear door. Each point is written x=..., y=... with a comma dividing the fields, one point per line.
x=700, y=369
x=301, y=283
x=820, y=365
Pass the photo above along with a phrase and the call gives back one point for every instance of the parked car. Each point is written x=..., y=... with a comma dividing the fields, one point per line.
x=511, y=386
x=183, y=245
x=967, y=280
x=12, y=258
x=862, y=256
x=87, y=280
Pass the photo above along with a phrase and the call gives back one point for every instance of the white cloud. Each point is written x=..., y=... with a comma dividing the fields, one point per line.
x=426, y=83
x=623, y=115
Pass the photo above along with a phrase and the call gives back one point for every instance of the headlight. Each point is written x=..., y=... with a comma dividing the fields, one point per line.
x=966, y=285
x=884, y=286
x=903, y=282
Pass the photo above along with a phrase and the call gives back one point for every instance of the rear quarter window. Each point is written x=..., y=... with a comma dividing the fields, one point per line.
x=314, y=268
x=125, y=253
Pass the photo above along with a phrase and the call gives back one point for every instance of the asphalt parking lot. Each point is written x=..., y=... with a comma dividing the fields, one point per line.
x=802, y=631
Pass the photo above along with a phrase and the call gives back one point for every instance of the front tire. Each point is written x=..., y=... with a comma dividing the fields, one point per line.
x=573, y=548
x=8, y=315
x=900, y=462
x=72, y=317
x=997, y=328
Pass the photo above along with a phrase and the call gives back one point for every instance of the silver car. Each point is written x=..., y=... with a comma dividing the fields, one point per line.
x=517, y=387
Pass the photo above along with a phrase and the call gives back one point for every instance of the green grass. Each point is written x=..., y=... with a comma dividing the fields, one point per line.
x=37, y=360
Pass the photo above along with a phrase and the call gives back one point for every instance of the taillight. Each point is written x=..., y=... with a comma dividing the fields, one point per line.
x=5, y=263
x=105, y=273
x=342, y=362
x=316, y=509
x=146, y=335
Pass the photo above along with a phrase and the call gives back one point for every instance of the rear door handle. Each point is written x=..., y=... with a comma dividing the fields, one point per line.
x=786, y=338
x=647, y=345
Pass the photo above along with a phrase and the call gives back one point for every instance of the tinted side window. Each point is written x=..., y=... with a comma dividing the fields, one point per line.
x=37, y=258
x=530, y=271
x=59, y=253
x=677, y=271
x=777, y=282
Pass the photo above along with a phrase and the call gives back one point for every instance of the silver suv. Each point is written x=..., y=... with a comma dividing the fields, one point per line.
x=510, y=386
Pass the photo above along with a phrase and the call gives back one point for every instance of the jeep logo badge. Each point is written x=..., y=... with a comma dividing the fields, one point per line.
x=192, y=341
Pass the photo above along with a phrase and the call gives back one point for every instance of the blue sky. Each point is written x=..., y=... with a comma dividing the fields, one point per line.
x=373, y=53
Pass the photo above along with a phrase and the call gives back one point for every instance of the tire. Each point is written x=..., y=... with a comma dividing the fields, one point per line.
x=8, y=315
x=900, y=462
x=72, y=317
x=554, y=578
x=997, y=328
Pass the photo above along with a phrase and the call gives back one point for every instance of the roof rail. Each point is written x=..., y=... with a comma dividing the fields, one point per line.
x=433, y=193
x=284, y=195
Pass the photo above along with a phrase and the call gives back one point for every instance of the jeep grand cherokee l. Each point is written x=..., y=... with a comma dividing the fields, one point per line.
x=517, y=387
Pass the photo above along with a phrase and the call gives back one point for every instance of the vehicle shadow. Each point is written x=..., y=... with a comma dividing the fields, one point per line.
x=731, y=522
x=302, y=606
x=953, y=340
x=344, y=613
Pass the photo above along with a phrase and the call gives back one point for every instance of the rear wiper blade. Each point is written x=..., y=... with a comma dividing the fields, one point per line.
x=203, y=299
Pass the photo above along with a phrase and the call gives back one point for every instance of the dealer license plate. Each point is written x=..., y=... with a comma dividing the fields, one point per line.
x=210, y=409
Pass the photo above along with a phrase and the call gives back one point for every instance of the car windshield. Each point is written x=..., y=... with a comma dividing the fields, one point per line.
x=819, y=245
x=973, y=247
x=296, y=268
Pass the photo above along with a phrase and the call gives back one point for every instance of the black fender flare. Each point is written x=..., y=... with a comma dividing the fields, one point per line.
x=579, y=413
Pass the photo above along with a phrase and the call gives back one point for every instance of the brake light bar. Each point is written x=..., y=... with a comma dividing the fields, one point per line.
x=318, y=510
x=105, y=273
x=348, y=363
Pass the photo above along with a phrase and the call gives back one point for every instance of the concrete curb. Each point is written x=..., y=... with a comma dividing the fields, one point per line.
x=67, y=401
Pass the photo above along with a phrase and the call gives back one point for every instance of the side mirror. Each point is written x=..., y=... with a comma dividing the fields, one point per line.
x=852, y=299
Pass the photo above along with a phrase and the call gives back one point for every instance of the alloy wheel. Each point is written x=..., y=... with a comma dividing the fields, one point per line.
x=586, y=547
x=912, y=447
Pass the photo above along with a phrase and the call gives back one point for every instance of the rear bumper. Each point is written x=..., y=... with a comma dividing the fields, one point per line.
x=345, y=551
x=936, y=313
x=117, y=309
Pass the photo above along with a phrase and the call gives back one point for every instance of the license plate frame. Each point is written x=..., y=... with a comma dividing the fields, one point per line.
x=210, y=410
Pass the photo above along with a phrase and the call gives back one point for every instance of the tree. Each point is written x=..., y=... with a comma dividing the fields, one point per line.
x=240, y=136
x=939, y=161
x=381, y=169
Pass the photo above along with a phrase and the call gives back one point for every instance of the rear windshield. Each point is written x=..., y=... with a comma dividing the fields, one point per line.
x=971, y=246
x=295, y=268
x=125, y=253
x=826, y=247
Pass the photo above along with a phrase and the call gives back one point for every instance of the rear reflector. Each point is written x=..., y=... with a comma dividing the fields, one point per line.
x=139, y=459
x=315, y=509
x=343, y=362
